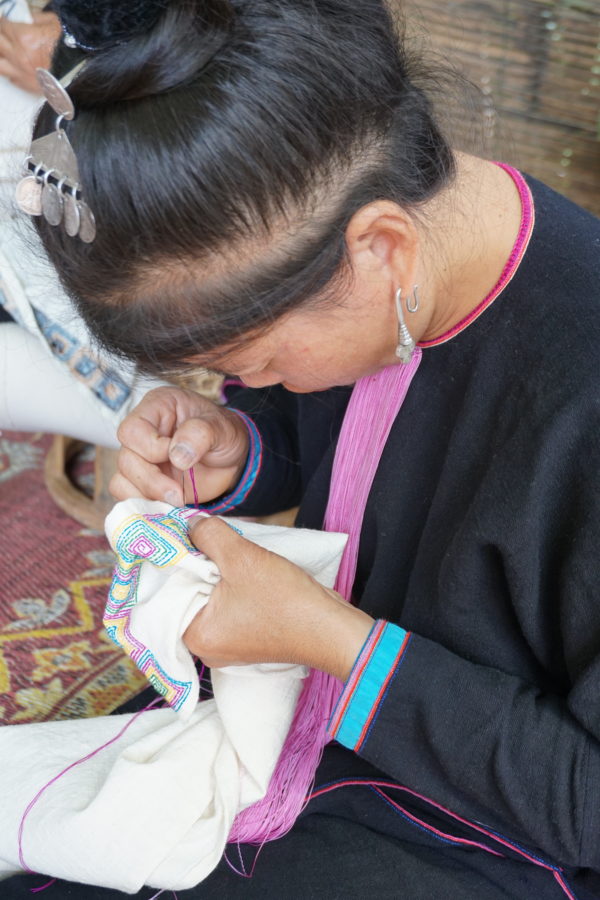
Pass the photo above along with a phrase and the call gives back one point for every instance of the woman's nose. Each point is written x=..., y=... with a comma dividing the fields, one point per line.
x=263, y=378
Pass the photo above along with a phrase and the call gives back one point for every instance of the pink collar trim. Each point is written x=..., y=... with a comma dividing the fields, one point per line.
x=512, y=264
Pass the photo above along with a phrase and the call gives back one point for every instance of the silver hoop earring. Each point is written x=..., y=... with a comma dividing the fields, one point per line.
x=412, y=301
x=406, y=344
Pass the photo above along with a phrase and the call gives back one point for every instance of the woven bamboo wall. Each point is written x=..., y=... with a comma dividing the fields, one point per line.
x=537, y=66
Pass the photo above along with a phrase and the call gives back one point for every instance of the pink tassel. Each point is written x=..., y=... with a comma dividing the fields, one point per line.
x=372, y=410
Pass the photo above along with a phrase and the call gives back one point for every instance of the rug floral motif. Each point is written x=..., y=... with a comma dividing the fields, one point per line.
x=56, y=660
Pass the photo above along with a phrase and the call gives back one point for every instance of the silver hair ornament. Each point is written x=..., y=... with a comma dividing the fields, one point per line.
x=51, y=186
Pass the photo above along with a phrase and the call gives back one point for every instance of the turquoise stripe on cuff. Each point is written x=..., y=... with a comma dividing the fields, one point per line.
x=388, y=648
x=249, y=475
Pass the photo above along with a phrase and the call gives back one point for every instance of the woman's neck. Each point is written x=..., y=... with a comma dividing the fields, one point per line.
x=479, y=218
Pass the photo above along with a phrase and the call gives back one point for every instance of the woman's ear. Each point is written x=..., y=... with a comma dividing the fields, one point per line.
x=382, y=238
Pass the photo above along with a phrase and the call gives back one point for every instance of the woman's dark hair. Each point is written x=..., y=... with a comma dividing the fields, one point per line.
x=223, y=153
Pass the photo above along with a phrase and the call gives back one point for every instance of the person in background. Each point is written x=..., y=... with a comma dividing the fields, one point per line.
x=53, y=377
x=25, y=46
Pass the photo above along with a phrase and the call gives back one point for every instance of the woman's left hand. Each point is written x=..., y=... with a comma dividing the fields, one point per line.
x=266, y=609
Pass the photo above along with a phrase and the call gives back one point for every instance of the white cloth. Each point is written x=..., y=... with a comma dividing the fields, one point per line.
x=156, y=807
x=37, y=393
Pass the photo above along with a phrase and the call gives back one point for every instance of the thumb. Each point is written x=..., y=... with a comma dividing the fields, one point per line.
x=219, y=541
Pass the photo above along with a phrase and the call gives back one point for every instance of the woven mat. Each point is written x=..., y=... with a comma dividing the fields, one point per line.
x=56, y=661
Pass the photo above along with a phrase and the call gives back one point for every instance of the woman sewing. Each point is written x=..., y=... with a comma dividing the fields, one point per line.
x=274, y=200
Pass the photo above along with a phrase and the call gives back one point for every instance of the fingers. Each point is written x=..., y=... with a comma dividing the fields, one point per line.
x=25, y=47
x=141, y=436
x=191, y=442
x=21, y=78
x=122, y=489
x=188, y=445
x=7, y=49
x=49, y=19
x=8, y=71
x=150, y=427
x=15, y=61
x=220, y=542
x=172, y=429
x=139, y=478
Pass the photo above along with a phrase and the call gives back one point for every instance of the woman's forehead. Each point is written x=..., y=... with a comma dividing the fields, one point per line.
x=257, y=348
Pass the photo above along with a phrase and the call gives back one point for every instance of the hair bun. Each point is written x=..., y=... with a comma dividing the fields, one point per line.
x=99, y=24
x=162, y=48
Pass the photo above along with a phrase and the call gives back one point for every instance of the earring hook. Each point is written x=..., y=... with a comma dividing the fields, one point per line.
x=412, y=301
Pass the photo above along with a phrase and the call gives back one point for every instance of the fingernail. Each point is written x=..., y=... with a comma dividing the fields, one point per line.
x=173, y=498
x=196, y=518
x=181, y=456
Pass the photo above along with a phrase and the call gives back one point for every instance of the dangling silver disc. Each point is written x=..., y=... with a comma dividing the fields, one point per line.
x=71, y=216
x=87, y=225
x=55, y=94
x=52, y=204
x=28, y=196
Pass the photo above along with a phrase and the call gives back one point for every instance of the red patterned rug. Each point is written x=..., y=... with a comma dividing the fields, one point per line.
x=56, y=661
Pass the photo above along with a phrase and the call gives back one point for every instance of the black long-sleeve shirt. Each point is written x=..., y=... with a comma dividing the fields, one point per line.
x=481, y=537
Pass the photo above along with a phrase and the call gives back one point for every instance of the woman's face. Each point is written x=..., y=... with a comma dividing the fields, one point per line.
x=319, y=347
x=316, y=349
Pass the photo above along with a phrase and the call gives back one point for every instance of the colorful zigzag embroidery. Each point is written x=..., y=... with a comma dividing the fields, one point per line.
x=162, y=540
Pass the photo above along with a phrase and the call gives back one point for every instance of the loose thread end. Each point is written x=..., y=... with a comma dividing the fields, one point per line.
x=43, y=887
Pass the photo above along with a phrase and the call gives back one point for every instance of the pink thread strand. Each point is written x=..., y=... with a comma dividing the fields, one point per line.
x=68, y=768
x=371, y=412
x=404, y=790
x=564, y=886
x=43, y=887
x=540, y=863
x=193, y=480
x=441, y=834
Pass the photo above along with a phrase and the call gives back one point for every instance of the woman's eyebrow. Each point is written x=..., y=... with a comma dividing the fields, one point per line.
x=207, y=366
x=223, y=367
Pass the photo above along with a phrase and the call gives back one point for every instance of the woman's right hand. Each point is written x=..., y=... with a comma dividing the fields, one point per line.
x=25, y=47
x=166, y=434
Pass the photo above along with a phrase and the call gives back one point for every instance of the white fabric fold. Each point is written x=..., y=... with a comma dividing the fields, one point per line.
x=156, y=806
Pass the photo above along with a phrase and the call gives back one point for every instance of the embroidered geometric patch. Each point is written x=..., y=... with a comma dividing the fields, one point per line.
x=163, y=541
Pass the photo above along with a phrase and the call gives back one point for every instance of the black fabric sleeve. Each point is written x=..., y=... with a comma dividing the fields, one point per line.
x=278, y=484
x=491, y=748
x=519, y=754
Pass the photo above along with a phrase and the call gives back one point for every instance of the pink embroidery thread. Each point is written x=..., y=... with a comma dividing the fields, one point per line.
x=64, y=771
x=371, y=412
x=511, y=845
x=193, y=480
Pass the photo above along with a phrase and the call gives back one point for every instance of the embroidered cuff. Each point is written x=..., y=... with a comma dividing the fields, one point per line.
x=366, y=687
x=249, y=475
